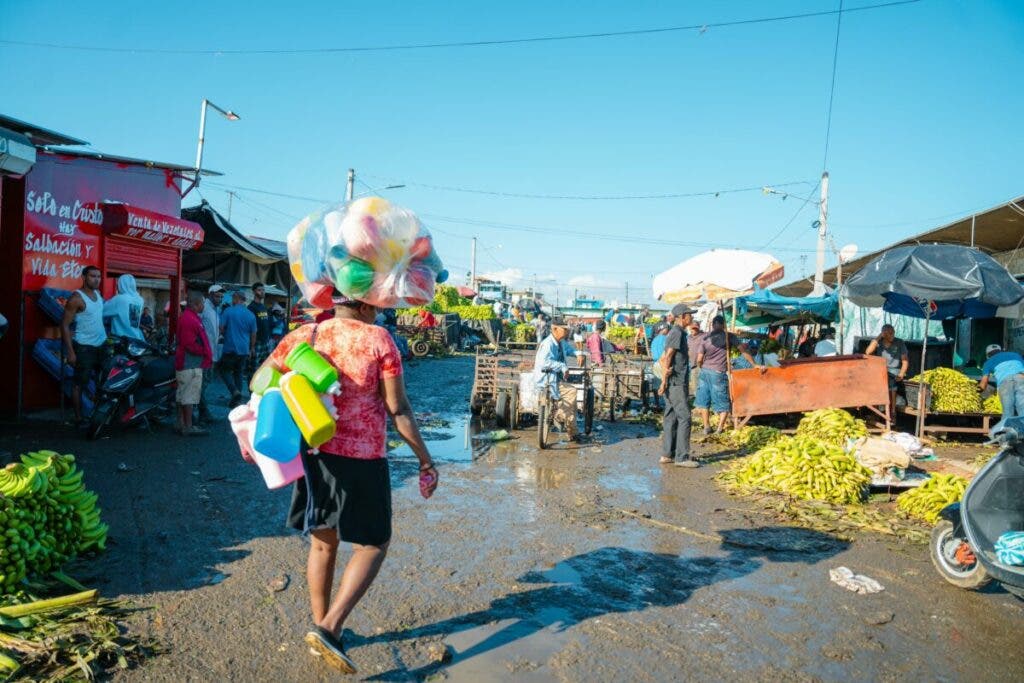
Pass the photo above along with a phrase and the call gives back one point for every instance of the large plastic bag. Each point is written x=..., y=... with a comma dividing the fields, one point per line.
x=369, y=250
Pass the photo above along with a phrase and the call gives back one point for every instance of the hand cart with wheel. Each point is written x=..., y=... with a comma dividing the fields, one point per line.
x=496, y=378
x=580, y=378
x=622, y=380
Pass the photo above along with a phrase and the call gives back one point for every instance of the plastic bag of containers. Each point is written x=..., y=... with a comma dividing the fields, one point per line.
x=370, y=250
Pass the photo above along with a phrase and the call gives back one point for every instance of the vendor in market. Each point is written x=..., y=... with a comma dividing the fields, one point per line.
x=713, y=380
x=826, y=345
x=897, y=360
x=1006, y=368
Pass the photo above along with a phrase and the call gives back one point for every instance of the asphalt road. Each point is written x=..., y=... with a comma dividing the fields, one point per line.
x=576, y=564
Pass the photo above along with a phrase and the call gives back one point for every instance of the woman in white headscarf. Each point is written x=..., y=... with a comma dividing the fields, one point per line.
x=123, y=311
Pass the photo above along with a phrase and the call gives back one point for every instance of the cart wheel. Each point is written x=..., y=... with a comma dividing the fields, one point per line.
x=513, y=410
x=501, y=408
x=611, y=409
x=543, y=425
x=588, y=410
x=419, y=348
x=645, y=390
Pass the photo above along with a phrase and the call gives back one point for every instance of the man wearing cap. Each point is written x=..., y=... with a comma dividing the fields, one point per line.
x=548, y=368
x=238, y=326
x=1006, y=368
x=675, y=367
x=211, y=323
x=894, y=352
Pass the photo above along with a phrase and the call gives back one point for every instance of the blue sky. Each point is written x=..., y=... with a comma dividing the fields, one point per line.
x=925, y=124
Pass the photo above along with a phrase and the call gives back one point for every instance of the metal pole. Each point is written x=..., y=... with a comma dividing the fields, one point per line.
x=21, y=363
x=231, y=196
x=972, y=231
x=839, y=301
x=472, y=269
x=924, y=351
x=350, y=187
x=819, y=270
x=202, y=137
x=627, y=293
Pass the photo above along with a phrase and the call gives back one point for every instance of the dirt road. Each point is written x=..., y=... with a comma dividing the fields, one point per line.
x=578, y=563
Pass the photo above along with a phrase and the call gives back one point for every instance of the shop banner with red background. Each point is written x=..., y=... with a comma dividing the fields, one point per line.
x=64, y=213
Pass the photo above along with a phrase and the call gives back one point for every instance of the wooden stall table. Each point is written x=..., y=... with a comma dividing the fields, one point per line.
x=806, y=384
x=933, y=421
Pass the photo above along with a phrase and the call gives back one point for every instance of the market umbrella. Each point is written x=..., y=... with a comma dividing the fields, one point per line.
x=467, y=292
x=934, y=281
x=717, y=275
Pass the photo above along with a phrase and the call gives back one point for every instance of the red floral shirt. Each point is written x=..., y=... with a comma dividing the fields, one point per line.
x=364, y=355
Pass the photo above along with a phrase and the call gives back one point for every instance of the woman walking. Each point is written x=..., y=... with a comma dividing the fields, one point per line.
x=346, y=493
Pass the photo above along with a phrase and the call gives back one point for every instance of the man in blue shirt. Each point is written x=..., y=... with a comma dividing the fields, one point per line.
x=238, y=330
x=548, y=367
x=1006, y=368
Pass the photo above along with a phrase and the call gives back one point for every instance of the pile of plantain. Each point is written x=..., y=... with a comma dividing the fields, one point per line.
x=952, y=391
x=802, y=467
x=750, y=438
x=927, y=500
x=832, y=426
x=992, y=404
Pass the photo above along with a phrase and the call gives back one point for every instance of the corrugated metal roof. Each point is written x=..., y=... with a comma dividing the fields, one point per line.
x=131, y=160
x=39, y=136
x=996, y=230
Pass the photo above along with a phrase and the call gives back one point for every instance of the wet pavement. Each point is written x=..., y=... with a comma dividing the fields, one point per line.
x=582, y=562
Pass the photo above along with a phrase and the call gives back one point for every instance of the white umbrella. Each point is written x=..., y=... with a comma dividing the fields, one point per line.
x=717, y=275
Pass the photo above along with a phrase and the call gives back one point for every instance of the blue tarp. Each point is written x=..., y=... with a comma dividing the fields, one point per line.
x=763, y=302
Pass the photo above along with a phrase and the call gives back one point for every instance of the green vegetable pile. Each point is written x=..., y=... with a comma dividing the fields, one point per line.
x=952, y=391
x=519, y=332
x=801, y=467
x=993, y=405
x=620, y=334
x=927, y=500
x=448, y=300
x=832, y=426
x=750, y=438
x=46, y=517
x=470, y=312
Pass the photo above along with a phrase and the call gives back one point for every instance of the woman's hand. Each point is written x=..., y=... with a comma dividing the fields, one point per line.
x=428, y=479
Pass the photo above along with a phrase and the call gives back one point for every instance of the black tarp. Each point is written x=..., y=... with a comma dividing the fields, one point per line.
x=936, y=281
x=227, y=255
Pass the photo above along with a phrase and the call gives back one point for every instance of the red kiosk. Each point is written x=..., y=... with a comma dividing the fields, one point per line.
x=70, y=210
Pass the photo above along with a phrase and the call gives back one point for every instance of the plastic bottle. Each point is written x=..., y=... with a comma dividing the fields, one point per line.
x=267, y=377
x=306, y=408
x=277, y=436
x=306, y=361
x=275, y=474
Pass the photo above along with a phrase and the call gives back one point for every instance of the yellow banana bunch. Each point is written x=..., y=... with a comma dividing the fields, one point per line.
x=927, y=500
x=751, y=438
x=802, y=467
x=992, y=404
x=952, y=391
x=831, y=425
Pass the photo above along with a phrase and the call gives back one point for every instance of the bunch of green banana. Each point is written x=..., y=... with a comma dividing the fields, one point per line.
x=751, y=438
x=46, y=516
x=992, y=404
x=831, y=425
x=952, y=391
x=927, y=500
x=802, y=467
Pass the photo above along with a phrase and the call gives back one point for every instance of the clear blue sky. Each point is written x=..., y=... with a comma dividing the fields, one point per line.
x=926, y=122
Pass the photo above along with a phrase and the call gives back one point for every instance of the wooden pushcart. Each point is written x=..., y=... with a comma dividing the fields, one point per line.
x=622, y=380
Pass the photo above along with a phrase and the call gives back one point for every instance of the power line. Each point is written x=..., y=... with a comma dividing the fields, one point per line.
x=793, y=218
x=468, y=43
x=832, y=88
x=525, y=195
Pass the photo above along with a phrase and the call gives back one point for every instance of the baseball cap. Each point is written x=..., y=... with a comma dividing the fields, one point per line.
x=682, y=309
x=993, y=348
x=214, y=289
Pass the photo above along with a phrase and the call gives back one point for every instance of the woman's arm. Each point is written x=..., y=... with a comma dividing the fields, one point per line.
x=396, y=401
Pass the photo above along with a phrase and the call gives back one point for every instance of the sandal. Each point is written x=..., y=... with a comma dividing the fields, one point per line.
x=665, y=460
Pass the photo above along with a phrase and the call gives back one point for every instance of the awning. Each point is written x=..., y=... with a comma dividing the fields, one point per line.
x=150, y=226
x=17, y=153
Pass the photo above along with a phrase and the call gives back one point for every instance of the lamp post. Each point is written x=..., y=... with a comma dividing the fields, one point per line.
x=229, y=115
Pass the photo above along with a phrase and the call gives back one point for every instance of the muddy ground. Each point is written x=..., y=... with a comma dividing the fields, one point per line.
x=580, y=563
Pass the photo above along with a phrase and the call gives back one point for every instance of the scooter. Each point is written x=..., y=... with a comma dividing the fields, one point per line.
x=962, y=542
x=137, y=382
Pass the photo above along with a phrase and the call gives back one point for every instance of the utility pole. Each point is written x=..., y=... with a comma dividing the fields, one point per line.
x=627, y=293
x=472, y=266
x=231, y=196
x=350, y=187
x=819, y=271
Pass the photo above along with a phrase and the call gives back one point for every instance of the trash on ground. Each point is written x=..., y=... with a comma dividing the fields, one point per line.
x=858, y=583
x=493, y=435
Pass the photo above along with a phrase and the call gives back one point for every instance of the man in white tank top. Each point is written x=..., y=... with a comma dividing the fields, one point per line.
x=86, y=346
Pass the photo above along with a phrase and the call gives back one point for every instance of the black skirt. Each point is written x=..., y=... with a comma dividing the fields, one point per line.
x=350, y=495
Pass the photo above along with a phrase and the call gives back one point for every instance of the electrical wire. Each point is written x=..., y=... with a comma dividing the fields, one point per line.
x=701, y=28
x=525, y=195
x=793, y=218
x=832, y=88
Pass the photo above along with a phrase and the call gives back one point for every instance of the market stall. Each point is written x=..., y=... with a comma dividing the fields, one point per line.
x=937, y=282
x=72, y=210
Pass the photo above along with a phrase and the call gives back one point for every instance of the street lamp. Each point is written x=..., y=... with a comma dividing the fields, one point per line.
x=229, y=115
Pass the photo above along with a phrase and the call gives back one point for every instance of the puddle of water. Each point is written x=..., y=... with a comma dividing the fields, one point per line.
x=448, y=442
x=535, y=476
x=633, y=483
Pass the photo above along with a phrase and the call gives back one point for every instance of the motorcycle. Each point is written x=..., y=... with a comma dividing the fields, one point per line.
x=963, y=541
x=136, y=382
